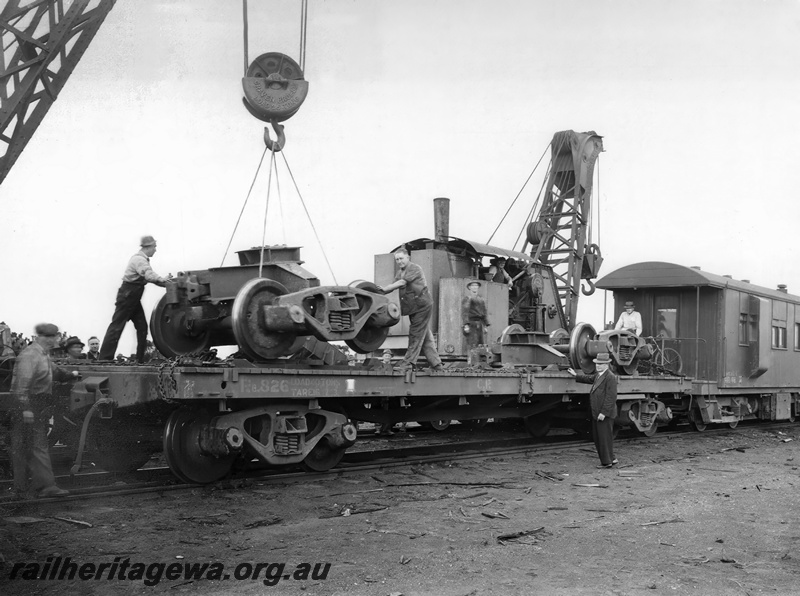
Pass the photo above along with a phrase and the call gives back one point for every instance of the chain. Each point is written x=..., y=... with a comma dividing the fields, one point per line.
x=167, y=382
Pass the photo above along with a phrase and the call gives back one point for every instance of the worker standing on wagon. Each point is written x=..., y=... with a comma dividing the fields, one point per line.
x=473, y=314
x=31, y=391
x=603, y=401
x=630, y=320
x=416, y=302
x=497, y=272
x=128, y=306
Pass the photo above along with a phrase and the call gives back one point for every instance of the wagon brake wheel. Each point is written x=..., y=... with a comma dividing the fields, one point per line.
x=323, y=457
x=182, y=449
x=368, y=339
x=246, y=313
x=171, y=335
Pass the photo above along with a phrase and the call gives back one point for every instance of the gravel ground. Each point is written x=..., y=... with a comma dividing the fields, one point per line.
x=695, y=513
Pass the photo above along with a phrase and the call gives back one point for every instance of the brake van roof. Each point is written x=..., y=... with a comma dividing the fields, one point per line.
x=657, y=274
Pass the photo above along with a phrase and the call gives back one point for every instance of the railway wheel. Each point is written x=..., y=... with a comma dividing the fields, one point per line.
x=368, y=339
x=733, y=424
x=323, y=457
x=651, y=431
x=246, y=313
x=579, y=355
x=182, y=448
x=697, y=421
x=438, y=425
x=173, y=334
x=537, y=425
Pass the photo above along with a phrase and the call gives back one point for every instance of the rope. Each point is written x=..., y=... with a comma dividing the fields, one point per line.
x=518, y=194
x=258, y=169
x=266, y=210
x=302, y=202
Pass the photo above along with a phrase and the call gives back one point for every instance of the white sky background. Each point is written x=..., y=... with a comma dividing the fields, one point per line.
x=408, y=100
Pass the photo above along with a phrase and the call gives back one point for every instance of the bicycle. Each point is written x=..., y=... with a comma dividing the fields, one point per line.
x=664, y=360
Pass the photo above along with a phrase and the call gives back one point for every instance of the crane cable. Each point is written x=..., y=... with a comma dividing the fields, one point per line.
x=252, y=184
x=266, y=211
x=308, y=215
x=303, y=34
x=518, y=195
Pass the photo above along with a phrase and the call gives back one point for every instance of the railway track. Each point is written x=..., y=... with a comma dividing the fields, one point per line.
x=374, y=453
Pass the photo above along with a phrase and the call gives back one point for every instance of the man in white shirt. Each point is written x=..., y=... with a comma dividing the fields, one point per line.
x=630, y=320
x=128, y=306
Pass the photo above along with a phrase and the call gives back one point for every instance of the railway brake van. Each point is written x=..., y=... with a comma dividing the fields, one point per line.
x=738, y=342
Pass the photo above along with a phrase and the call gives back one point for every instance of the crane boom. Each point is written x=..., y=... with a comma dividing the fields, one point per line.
x=558, y=234
x=41, y=45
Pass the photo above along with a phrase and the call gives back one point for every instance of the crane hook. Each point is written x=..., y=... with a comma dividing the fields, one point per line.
x=591, y=289
x=280, y=142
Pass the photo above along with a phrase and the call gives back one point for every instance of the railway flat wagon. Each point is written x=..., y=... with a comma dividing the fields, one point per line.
x=739, y=342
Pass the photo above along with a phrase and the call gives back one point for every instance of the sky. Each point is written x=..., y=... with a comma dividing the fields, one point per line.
x=408, y=101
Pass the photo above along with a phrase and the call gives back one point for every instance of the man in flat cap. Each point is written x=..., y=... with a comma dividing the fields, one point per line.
x=31, y=391
x=128, y=306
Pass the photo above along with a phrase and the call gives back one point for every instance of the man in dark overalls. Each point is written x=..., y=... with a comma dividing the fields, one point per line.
x=473, y=314
x=128, y=307
x=416, y=302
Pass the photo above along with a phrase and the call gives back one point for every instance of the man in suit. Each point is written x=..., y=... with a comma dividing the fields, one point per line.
x=603, y=400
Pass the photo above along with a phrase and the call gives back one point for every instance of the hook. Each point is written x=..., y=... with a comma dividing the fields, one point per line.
x=278, y=144
x=591, y=289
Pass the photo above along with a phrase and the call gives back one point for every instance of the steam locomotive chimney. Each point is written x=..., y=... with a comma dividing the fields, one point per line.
x=441, y=219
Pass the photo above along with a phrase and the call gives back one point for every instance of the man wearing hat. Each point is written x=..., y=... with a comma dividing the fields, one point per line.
x=473, y=315
x=74, y=348
x=497, y=272
x=603, y=400
x=630, y=320
x=128, y=306
x=31, y=390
